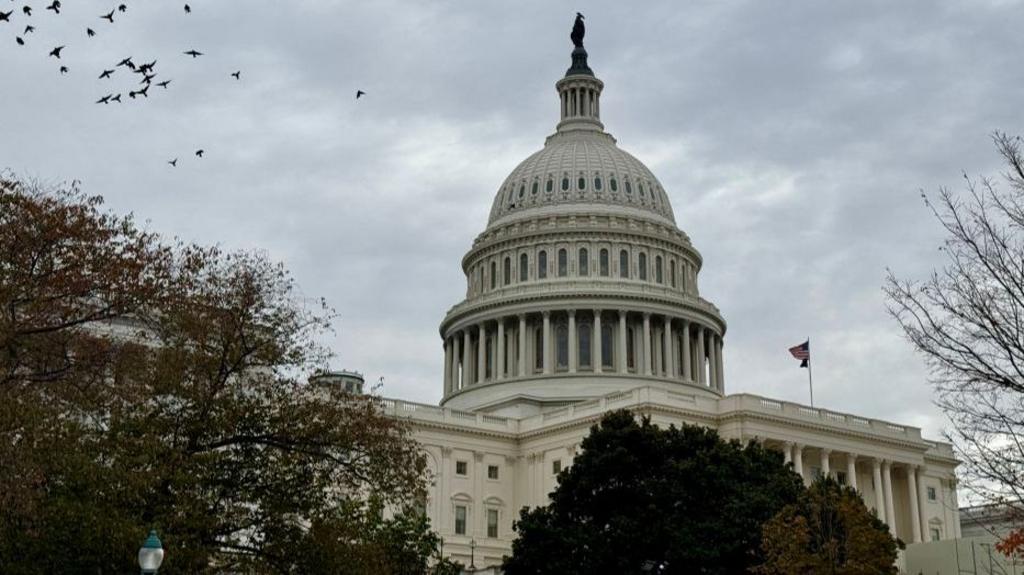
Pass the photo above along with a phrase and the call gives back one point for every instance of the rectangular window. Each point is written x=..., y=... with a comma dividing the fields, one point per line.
x=492, y=472
x=460, y=519
x=492, y=523
x=931, y=494
x=556, y=467
x=461, y=468
x=935, y=534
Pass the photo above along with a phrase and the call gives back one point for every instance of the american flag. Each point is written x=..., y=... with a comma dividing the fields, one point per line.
x=802, y=352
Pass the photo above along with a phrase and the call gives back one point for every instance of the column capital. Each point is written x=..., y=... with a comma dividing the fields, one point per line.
x=826, y=451
x=852, y=455
x=647, y=315
x=799, y=445
x=622, y=312
x=445, y=450
x=571, y=312
x=521, y=316
x=478, y=456
x=546, y=313
x=597, y=311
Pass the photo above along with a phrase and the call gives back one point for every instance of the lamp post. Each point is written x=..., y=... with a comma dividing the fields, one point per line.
x=472, y=555
x=151, y=554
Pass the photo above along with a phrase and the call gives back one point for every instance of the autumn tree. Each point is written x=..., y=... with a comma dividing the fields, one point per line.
x=640, y=498
x=828, y=531
x=147, y=384
x=967, y=321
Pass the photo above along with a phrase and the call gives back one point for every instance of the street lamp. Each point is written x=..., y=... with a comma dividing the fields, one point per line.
x=151, y=554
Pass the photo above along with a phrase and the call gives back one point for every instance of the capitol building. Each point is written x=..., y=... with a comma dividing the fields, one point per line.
x=582, y=297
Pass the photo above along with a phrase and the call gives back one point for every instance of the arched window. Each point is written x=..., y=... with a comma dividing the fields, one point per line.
x=524, y=266
x=584, y=344
x=597, y=183
x=562, y=347
x=630, y=351
x=542, y=265
x=672, y=272
x=494, y=275
x=615, y=184
x=584, y=263
x=623, y=264
x=565, y=184
x=480, y=278
x=607, y=348
x=629, y=188
x=507, y=272
x=488, y=344
x=563, y=263
x=603, y=262
x=538, y=348
x=581, y=184
x=550, y=185
x=642, y=265
x=640, y=187
x=522, y=190
x=658, y=277
x=533, y=190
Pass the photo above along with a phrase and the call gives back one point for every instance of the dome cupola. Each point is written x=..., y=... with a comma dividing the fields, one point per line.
x=581, y=284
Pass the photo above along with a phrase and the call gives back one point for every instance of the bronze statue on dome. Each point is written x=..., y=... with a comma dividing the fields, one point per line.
x=578, y=30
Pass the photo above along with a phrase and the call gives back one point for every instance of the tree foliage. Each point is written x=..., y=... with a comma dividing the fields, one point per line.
x=152, y=384
x=828, y=531
x=967, y=320
x=678, y=500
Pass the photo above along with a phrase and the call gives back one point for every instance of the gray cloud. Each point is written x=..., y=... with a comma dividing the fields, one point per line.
x=793, y=138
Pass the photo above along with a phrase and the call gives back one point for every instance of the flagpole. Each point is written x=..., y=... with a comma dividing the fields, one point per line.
x=810, y=379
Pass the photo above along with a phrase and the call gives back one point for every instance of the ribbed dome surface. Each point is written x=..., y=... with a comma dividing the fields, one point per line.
x=581, y=168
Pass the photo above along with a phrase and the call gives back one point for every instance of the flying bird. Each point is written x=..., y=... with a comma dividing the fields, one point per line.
x=90, y=32
x=63, y=70
x=19, y=40
x=146, y=67
x=163, y=84
x=237, y=75
x=109, y=16
x=127, y=62
x=56, y=52
x=106, y=74
x=199, y=153
x=55, y=6
x=6, y=16
x=116, y=98
x=359, y=94
x=147, y=78
x=173, y=163
x=27, y=10
x=122, y=8
x=188, y=9
x=105, y=99
x=29, y=29
x=193, y=53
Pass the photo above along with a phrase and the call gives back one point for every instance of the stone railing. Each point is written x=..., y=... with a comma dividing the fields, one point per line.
x=447, y=415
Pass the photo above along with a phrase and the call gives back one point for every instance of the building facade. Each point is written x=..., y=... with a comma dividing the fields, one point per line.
x=582, y=296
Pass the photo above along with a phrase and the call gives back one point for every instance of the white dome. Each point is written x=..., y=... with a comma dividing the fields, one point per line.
x=581, y=170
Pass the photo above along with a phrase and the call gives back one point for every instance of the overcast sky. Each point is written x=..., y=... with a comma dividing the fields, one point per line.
x=793, y=138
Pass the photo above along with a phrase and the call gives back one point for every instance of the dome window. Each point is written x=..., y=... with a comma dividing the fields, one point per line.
x=542, y=265
x=672, y=272
x=642, y=266
x=563, y=263
x=584, y=346
x=550, y=185
x=494, y=275
x=603, y=262
x=522, y=190
x=507, y=271
x=597, y=183
x=629, y=188
x=584, y=263
x=658, y=276
x=614, y=184
x=562, y=347
x=565, y=184
x=533, y=190
x=524, y=266
x=623, y=264
x=640, y=187
x=581, y=184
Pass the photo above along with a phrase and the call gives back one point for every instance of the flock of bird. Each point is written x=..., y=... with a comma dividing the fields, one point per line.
x=147, y=71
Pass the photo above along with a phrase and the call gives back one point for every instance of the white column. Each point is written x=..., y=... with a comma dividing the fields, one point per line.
x=851, y=470
x=720, y=382
x=522, y=345
x=444, y=490
x=670, y=370
x=890, y=513
x=500, y=352
x=798, y=459
x=623, y=365
x=687, y=370
x=915, y=507
x=481, y=353
x=597, y=353
x=647, y=344
x=547, y=342
x=876, y=474
x=787, y=452
x=447, y=366
x=922, y=517
x=712, y=366
x=573, y=342
x=701, y=372
x=825, y=467
x=456, y=358
x=467, y=358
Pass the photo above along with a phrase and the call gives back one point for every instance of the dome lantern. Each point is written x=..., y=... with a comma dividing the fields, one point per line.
x=579, y=91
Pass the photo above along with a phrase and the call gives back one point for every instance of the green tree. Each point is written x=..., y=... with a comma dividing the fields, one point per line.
x=829, y=531
x=676, y=500
x=146, y=384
